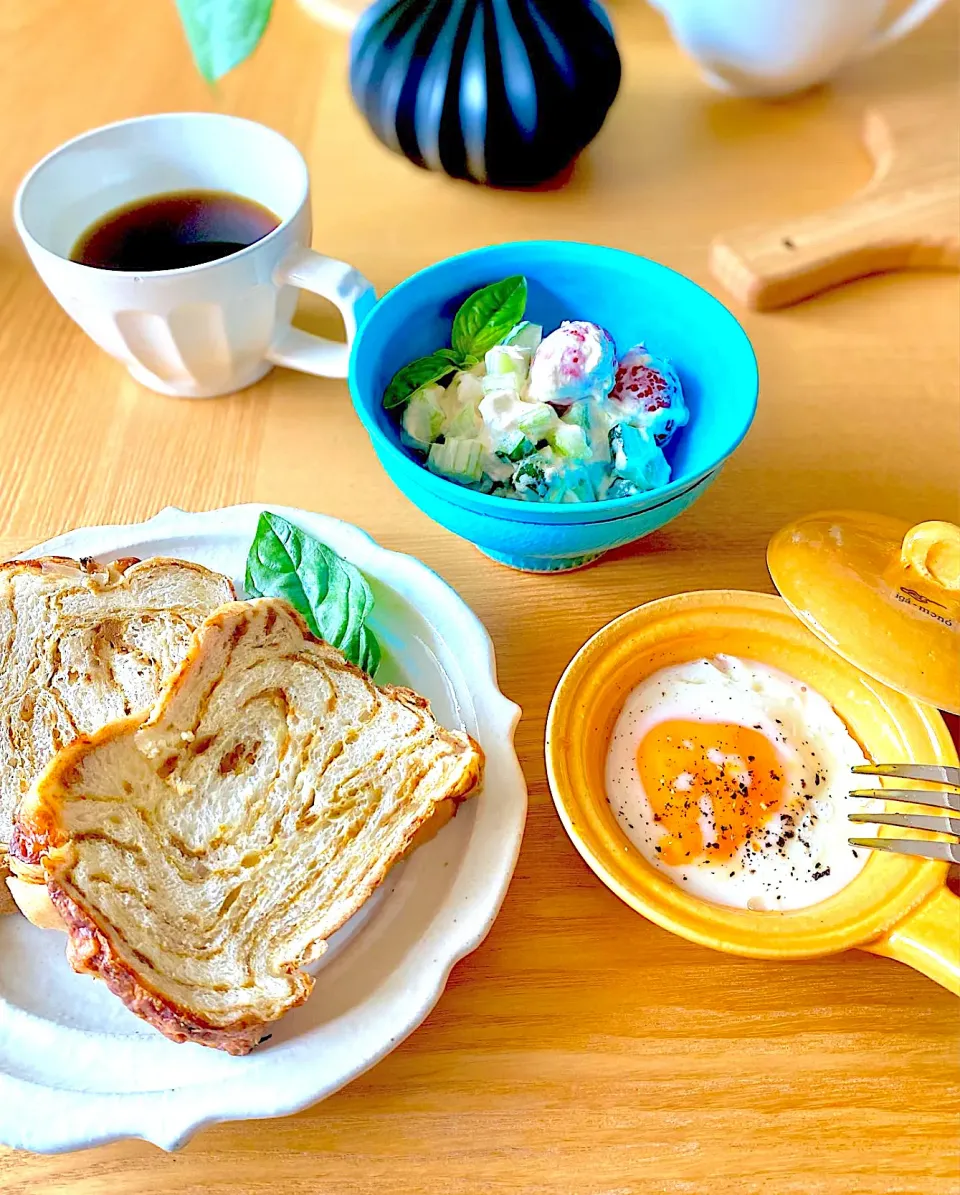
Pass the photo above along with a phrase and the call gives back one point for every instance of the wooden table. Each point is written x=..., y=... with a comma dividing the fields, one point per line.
x=581, y=1050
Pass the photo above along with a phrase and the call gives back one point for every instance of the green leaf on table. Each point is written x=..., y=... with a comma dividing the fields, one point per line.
x=421, y=372
x=488, y=315
x=330, y=593
x=222, y=33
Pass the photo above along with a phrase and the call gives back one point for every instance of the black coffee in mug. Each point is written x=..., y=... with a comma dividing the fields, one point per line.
x=173, y=231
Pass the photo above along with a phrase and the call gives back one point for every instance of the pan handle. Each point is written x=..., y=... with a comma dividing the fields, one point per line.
x=928, y=940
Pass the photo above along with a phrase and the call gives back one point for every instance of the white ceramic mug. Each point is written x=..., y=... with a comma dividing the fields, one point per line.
x=775, y=47
x=206, y=329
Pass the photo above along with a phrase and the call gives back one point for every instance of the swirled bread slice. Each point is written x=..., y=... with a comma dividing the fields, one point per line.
x=200, y=858
x=82, y=644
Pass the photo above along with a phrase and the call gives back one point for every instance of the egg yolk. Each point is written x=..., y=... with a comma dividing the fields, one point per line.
x=737, y=770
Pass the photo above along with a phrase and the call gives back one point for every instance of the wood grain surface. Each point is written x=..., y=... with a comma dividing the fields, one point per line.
x=904, y=218
x=580, y=1050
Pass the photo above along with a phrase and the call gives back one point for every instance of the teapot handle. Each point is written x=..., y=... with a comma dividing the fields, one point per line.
x=915, y=15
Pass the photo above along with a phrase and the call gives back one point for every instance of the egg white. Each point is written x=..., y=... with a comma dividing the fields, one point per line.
x=817, y=752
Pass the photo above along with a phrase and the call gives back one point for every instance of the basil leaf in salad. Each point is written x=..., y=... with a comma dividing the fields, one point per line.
x=330, y=593
x=419, y=373
x=489, y=315
x=483, y=321
x=222, y=33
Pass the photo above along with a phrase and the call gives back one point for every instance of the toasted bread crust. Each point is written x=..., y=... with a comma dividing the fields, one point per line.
x=40, y=846
x=113, y=571
x=89, y=951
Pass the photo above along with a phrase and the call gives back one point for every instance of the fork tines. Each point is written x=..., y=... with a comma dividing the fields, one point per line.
x=935, y=773
x=945, y=852
x=916, y=796
x=942, y=852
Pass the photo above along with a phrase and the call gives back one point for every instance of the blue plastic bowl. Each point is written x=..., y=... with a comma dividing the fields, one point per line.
x=634, y=299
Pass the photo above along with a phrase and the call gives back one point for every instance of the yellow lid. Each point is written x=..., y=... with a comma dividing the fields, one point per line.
x=884, y=595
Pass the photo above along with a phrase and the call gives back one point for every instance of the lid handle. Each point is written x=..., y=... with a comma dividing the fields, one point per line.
x=933, y=550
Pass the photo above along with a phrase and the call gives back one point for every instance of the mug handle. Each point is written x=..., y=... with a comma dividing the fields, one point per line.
x=905, y=23
x=928, y=939
x=346, y=288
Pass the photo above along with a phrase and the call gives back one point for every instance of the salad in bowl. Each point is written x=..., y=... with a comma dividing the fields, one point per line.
x=444, y=320
x=515, y=412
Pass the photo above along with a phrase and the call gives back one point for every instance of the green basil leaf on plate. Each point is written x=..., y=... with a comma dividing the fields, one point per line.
x=488, y=315
x=422, y=372
x=222, y=33
x=330, y=593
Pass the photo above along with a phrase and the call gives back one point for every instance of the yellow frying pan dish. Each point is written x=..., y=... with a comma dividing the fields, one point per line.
x=897, y=906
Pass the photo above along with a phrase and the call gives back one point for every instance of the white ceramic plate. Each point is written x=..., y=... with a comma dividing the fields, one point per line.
x=77, y=1069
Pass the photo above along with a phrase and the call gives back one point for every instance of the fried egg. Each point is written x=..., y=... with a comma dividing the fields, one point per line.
x=733, y=779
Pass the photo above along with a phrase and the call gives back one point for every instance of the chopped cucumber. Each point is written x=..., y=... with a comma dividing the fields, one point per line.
x=538, y=422
x=507, y=369
x=500, y=412
x=580, y=487
x=525, y=336
x=637, y=458
x=464, y=424
x=422, y=418
x=504, y=383
x=505, y=359
x=514, y=445
x=571, y=483
x=569, y=440
x=496, y=468
x=466, y=388
x=621, y=488
x=578, y=415
x=459, y=460
x=534, y=475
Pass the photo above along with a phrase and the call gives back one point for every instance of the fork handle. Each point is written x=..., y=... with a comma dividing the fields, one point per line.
x=928, y=940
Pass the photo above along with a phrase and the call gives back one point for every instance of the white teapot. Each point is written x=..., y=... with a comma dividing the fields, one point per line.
x=774, y=47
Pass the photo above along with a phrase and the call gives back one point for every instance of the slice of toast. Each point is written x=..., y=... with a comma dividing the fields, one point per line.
x=82, y=644
x=200, y=858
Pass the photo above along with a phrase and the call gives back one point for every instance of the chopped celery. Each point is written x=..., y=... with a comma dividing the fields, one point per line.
x=514, y=445
x=569, y=440
x=637, y=458
x=422, y=419
x=466, y=388
x=621, y=488
x=578, y=415
x=496, y=468
x=504, y=359
x=464, y=424
x=538, y=421
x=570, y=483
x=525, y=336
x=504, y=383
x=459, y=460
x=500, y=412
x=580, y=487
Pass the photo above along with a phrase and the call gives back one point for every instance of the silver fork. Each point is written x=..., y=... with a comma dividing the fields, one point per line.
x=947, y=799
